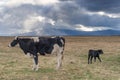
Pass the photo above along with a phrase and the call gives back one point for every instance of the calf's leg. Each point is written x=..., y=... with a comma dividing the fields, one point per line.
x=94, y=59
x=91, y=59
x=88, y=58
x=99, y=58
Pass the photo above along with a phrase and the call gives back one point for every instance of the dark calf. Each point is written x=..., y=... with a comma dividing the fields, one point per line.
x=93, y=54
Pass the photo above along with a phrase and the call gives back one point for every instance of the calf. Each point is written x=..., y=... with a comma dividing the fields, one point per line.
x=94, y=53
x=41, y=45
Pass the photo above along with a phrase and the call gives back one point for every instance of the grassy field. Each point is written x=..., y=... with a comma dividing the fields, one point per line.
x=14, y=65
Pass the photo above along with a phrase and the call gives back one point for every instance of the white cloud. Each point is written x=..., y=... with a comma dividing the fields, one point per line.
x=45, y=2
x=101, y=13
x=33, y=21
x=13, y=3
x=88, y=28
x=52, y=22
x=30, y=22
x=2, y=2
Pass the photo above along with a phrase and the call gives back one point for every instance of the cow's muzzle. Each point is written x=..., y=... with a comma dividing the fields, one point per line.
x=9, y=45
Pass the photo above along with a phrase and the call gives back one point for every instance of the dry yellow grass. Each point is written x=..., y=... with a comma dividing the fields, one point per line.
x=15, y=66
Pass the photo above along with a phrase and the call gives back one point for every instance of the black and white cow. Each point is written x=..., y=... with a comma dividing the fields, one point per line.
x=41, y=45
x=94, y=53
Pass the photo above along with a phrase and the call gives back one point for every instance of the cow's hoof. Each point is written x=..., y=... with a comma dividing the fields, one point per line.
x=35, y=69
x=58, y=68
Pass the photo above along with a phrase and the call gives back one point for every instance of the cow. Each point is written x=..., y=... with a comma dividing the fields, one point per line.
x=94, y=53
x=33, y=46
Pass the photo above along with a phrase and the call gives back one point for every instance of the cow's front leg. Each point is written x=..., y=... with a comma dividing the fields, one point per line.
x=35, y=60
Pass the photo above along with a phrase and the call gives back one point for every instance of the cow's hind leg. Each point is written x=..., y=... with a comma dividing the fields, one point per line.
x=59, y=57
x=35, y=60
x=59, y=60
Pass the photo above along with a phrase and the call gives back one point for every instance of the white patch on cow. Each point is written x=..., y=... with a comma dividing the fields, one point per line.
x=61, y=49
x=62, y=41
x=16, y=37
x=36, y=39
x=29, y=55
x=55, y=48
x=53, y=36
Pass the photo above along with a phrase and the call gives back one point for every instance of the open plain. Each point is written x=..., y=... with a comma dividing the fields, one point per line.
x=14, y=65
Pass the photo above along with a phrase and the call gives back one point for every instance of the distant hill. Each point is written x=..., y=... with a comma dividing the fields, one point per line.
x=95, y=33
x=73, y=33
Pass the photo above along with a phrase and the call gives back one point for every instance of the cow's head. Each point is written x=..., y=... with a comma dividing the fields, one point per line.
x=100, y=51
x=14, y=42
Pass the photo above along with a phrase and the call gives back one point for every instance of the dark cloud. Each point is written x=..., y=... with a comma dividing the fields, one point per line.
x=74, y=13
x=111, y=6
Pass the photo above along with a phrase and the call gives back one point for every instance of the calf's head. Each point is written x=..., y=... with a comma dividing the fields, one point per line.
x=100, y=51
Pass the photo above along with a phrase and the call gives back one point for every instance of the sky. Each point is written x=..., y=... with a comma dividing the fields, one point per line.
x=50, y=17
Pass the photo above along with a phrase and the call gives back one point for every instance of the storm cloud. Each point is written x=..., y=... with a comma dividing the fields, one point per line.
x=38, y=17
